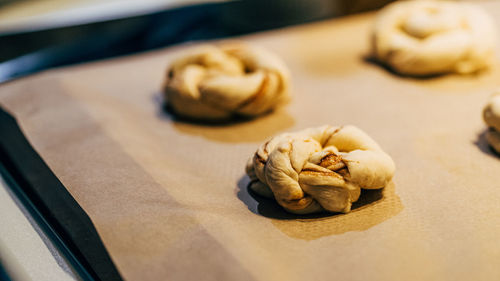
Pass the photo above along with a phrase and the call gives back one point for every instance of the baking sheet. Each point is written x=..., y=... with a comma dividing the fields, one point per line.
x=169, y=198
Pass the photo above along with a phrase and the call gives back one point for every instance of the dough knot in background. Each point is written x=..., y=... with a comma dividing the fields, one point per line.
x=219, y=82
x=434, y=37
x=319, y=169
x=491, y=115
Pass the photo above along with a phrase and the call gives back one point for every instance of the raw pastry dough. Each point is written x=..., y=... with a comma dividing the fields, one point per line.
x=217, y=82
x=491, y=115
x=433, y=37
x=319, y=169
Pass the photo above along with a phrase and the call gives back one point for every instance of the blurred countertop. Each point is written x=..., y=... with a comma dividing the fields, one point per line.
x=32, y=15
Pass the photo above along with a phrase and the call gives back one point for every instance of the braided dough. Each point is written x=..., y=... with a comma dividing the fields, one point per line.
x=491, y=115
x=218, y=82
x=319, y=169
x=434, y=37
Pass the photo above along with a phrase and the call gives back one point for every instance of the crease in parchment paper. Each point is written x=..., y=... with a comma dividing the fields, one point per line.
x=148, y=234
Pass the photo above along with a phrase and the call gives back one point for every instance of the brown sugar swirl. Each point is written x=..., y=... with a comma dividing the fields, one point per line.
x=319, y=169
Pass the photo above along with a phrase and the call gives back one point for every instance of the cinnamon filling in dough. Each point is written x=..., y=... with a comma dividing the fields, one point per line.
x=319, y=169
x=218, y=82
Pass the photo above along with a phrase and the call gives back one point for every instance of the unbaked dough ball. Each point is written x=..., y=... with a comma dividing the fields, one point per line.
x=319, y=169
x=218, y=82
x=434, y=37
x=491, y=115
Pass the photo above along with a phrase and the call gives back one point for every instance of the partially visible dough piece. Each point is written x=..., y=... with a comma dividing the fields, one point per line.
x=434, y=37
x=491, y=115
x=493, y=138
x=319, y=169
x=217, y=82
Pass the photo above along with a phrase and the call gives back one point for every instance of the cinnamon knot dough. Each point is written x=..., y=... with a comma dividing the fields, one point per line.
x=218, y=82
x=491, y=115
x=434, y=37
x=319, y=169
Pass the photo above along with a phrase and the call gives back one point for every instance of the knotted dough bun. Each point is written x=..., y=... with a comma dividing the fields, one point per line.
x=319, y=169
x=434, y=37
x=218, y=82
x=491, y=115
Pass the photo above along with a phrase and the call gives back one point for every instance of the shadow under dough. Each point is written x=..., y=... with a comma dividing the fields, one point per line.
x=383, y=203
x=446, y=79
x=369, y=59
x=236, y=130
x=482, y=143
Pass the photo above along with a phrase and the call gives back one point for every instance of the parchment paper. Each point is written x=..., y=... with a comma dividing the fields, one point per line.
x=170, y=201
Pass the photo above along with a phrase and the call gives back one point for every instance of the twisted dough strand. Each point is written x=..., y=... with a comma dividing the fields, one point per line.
x=212, y=82
x=433, y=37
x=319, y=169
